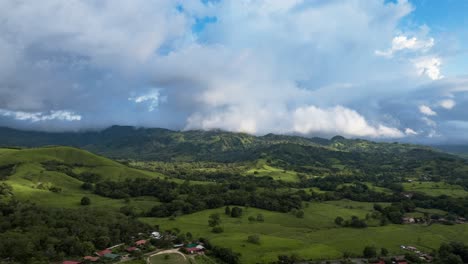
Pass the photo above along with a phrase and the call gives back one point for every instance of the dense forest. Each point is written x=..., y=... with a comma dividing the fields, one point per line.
x=33, y=234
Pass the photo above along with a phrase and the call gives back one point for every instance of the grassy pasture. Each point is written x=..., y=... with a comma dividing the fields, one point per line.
x=172, y=258
x=315, y=236
x=32, y=182
x=263, y=169
x=435, y=188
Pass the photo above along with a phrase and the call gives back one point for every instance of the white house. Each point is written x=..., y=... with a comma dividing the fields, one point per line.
x=156, y=235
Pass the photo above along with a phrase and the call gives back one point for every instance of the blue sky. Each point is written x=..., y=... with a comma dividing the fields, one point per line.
x=378, y=69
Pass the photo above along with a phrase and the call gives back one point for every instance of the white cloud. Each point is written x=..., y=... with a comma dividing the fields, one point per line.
x=303, y=120
x=264, y=66
x=429, y=66
x=401, y=42
x=429, y=122
x=410, y=132
x=338, y=120
x=153, y=98
x=426, y=110
x=60, y=115
x=447, y=103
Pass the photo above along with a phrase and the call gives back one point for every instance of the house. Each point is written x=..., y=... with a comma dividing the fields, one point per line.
x=71, y=262
x=402, y=262
x=104, y=252
x=194, y=248
x=131, y=249
x=408, y=220
x=411, y=248
x=156, y=235
x=140, y=242
x=178, y=245
x=112, y=256
x=91, y=258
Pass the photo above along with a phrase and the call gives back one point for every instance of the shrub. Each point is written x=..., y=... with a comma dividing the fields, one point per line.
x=260, y=218
x=369, y=252
x=254, y=239
x=85, y=201
x=217, y=230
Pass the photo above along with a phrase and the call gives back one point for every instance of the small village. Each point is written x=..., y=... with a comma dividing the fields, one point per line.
x=141, y=248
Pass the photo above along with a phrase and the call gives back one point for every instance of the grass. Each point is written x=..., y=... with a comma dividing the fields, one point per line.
x=315, y=236
x=138, y=261
x=32, y=182
x=203, y=259
x=172, y=258
x=263, y=169
x=435, y=188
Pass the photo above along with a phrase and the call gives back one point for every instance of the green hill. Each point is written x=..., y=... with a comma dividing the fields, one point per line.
x=53, y=176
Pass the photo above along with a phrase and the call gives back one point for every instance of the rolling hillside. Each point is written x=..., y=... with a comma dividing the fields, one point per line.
x=53, y=176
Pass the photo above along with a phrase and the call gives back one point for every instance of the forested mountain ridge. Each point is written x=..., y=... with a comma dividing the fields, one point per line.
x=124, y=142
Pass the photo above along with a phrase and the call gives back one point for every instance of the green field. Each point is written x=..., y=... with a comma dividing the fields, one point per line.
x=31, y=181
x=315, y=236
x=262, y=169
x=436, y=188
x=172, y=258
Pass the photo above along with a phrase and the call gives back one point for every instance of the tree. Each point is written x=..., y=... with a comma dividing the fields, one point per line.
x=85, y=201
x=214, y=220
x=369, y=252
x=217, y=229
x=300, y=214
x=378, y=207
x=87, y=186
x=236, y=212
x=227, y=210
x=383, y=252
x=339, y=220
x=251, y=219
x=254, y=239
x=260, y=218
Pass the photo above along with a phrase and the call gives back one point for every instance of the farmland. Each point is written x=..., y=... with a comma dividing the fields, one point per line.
x=297, y=198
x=313, y=237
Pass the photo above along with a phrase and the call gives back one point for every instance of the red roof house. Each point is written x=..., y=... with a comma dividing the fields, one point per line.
x=140, y=242
x=71, y=262
x=91, y=258
x=104, y=252
x=193, y=250
x=131, y=249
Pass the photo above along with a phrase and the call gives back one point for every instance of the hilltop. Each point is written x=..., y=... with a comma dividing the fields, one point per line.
x=54, y=176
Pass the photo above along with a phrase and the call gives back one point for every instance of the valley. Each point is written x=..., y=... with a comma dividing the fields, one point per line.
x=308, y=199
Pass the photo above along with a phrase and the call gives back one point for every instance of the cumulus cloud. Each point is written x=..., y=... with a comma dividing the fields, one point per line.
x=307, y=67
x=401, y=42
x=338, y=120
x=429, y=122
x=429, y=66
x=61, y=115
x=306, y=120
x=426, y=110
x=410, y=132
x=153, y=98
x=447, y=104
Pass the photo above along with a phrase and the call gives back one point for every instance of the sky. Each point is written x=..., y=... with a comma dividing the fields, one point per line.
x=376, y=69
